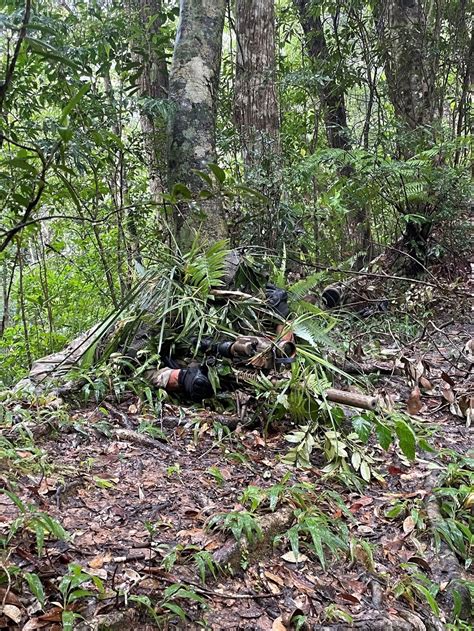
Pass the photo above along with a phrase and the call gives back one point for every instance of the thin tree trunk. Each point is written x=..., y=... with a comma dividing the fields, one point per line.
x=21, y=297
x=8, y=277
x=331, y=94
x=408, y=32
x=153, y=88
x=256, y=104
x=126, y=227
x=332, y=99
x=193, y=86
x=464, y=110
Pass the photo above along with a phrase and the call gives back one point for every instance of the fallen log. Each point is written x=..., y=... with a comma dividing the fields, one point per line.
x=352, y=399
x=365, y=368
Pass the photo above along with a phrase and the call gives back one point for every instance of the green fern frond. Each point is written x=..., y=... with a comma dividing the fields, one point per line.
x=301, y=288
x=325, y=320
x=414, y=192
x=307, y=328
x=206, y=270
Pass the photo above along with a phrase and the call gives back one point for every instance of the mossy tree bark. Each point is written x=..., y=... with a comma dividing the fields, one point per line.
x=193, y=87
x=256, y=105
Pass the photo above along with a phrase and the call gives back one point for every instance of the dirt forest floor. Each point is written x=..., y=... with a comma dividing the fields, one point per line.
x=139, y=505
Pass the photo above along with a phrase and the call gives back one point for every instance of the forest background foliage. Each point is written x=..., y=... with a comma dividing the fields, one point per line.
x=364, y=145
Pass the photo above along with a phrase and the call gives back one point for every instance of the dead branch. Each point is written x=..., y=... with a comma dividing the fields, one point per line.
x=353, y=399
x=141, y=440
x=118, y=415
x=232, y=552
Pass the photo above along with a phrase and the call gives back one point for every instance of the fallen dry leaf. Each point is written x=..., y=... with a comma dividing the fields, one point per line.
x=13, y=612
x=290, y=557
x=98, y=561
x=447, y=393
x=393, y=470
x=408, y=525
x=425, y=384
x=448, y=379
x=47, y=485
x=276, y=579
x=360, y=502
x=9, y=598
x=278, y=625
x=414, y=403
x=349, y=598
x=421, y=562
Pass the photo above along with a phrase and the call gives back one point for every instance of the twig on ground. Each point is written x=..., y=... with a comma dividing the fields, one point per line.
x=118, y=415
x=203, y=590
x=141, y=440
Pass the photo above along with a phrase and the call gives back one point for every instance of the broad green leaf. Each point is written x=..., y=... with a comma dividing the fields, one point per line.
x=48, y=52
x=362, y=427
x=181, y=191
x=78, y=593
x=65, y=133
x=218, y=172
x=365, y=471
x=356, y=460
x=67, y=619
x=176, y=609
x=406, y=438
x=395, y=511
x=71, y=104
x=384, y=435
x=36, y=587
x=429, y=598
x=15, y=499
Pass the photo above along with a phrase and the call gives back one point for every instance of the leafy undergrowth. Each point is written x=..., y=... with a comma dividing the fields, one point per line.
x=103, y=531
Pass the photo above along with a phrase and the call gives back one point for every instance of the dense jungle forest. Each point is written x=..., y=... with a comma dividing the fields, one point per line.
x=236, y=352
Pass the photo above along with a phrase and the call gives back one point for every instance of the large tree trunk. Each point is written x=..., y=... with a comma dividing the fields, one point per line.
x=153, y=86
x=409, y=36
x=193, y=86
x=332, y=98
x=256, y=103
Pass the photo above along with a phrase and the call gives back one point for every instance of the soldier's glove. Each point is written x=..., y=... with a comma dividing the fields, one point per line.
x=196, y=384
x=277, y=299
x=165, y=378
